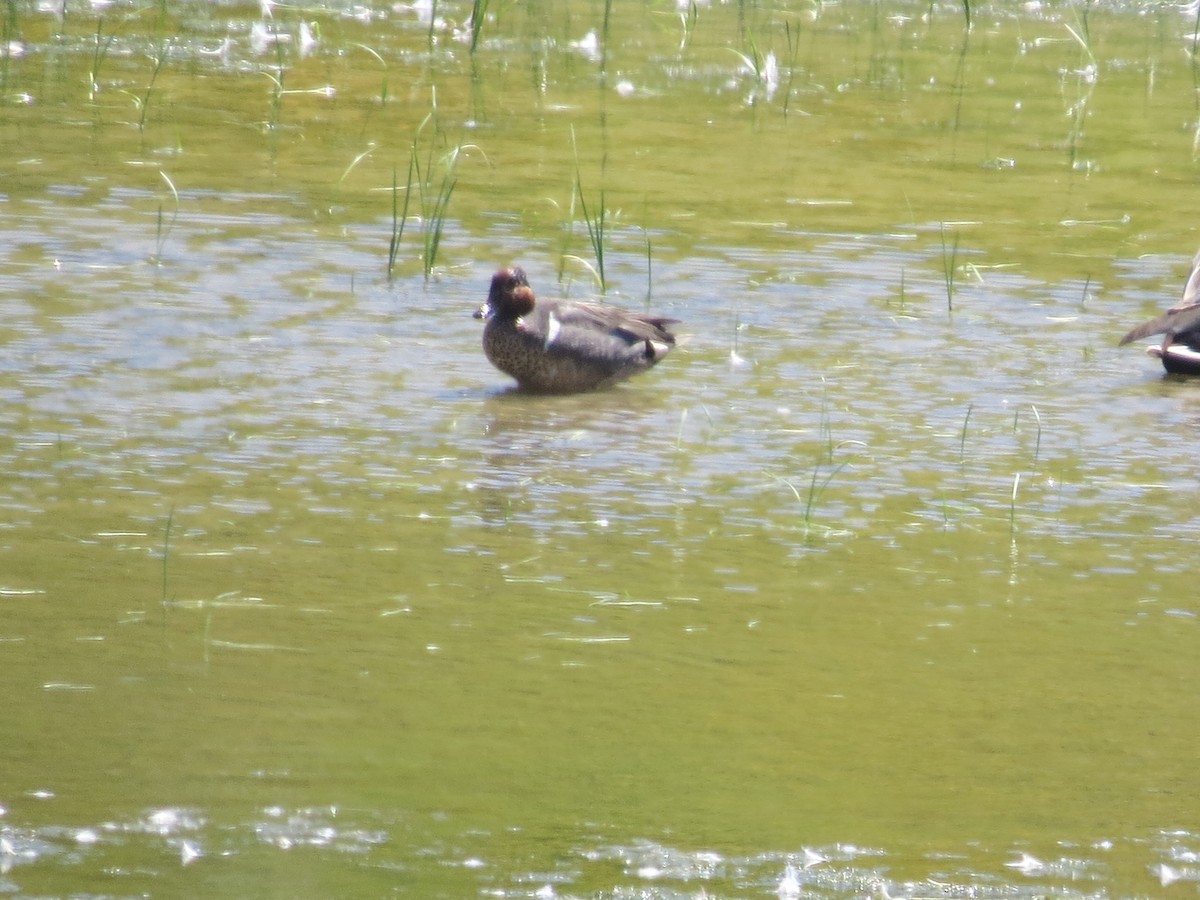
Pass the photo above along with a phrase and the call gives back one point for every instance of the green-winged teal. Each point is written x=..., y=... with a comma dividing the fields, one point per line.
x=1180, y=325
x=566, y=346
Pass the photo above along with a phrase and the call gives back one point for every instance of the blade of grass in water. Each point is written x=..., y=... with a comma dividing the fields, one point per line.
x=478, y=14
x=159, y=58
x=962, y=442
x=383, y=84
x=164, y=229
x=99, y=54
x=595, y=223
x=166, y=551
x=1037, y=418
x=433, y=193
x=1012, y=506
x=949, y=265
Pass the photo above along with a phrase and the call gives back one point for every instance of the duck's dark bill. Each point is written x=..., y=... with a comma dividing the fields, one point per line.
x=1178, y=359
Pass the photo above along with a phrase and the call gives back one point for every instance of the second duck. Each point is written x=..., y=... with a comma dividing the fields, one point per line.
x=1180, y=325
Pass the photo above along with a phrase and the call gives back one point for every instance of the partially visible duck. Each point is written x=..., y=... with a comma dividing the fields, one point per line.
x=1180, y=325
x=566, y=346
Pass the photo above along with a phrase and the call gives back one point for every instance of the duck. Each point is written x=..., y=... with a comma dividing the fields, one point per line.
x=566, y=346
x=1180, y=325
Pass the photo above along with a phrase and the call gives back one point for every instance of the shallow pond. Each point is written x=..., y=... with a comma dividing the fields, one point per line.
x=880, y=585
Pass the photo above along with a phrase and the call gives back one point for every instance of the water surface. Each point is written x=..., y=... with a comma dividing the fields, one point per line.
x=881, y=583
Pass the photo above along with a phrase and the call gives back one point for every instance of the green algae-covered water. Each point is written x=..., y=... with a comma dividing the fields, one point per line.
x=880, y=585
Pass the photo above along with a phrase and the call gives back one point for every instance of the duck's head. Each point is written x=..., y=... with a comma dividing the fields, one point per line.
x=510, y=295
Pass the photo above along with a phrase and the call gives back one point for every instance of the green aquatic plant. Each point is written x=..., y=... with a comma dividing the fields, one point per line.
x=1012, y=506
x=566, y=233
x=399, y=217
x=962, y=440
x=430, y=39
x=166, y=551
x=277, y=91
x=825, y=468
x=478, y=15
x=754, y=62
x=821, y=477
x=949, y=265
x=158, y=58
x=1037, y=418
x=435, y=203
x=165, y=225
x=9, y=34
x=735, y=357
x=162, y=10
x=100, y=49
x=437, y=221
x=1082, y=31
x=762, y=67
x=649, y=264
x=593, y=217
x=433, y=191
x=815, y=491
x=354, y=164
x=595, y=228
x=1085, y=80
x=687, y=18
x=792, y=37
x=604, y=32
x=383, y=83
x=959, y=84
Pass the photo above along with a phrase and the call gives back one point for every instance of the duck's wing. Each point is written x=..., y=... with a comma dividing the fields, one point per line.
x=632, y=328
x=1181, y=318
